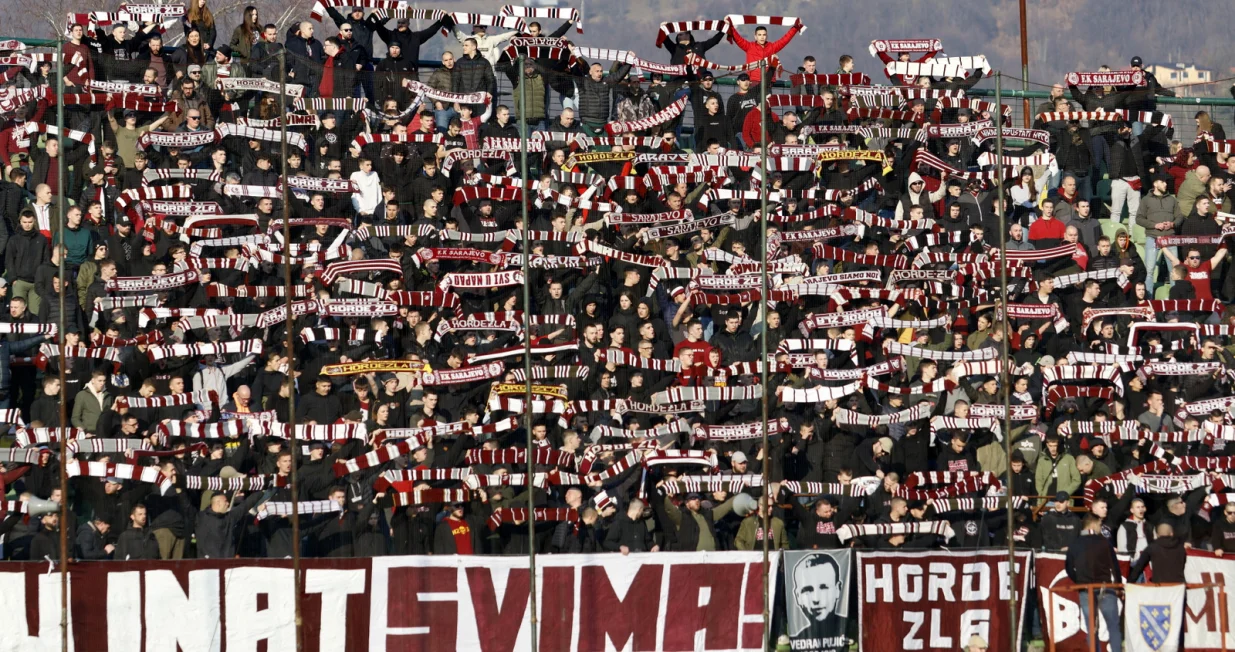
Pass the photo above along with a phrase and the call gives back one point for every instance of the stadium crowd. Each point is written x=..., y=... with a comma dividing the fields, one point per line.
x=647, y=319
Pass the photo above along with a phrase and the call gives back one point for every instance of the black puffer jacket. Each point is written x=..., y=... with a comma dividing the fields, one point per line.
x=23, y=254
x=595, y=97
x=472, y=74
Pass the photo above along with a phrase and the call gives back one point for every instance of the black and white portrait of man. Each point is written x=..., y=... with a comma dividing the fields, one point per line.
x=819, y=593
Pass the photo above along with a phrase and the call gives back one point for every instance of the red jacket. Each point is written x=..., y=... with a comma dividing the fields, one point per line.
x=755, y=52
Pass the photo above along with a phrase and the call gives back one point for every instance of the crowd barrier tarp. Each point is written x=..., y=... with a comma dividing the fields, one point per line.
x=936, y=600
x=654, y=601
x=817, y=599
x=1203, y=624
x=1204, y=620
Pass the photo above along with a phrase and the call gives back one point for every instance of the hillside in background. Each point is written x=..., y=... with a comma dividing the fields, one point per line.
x=1065, y=35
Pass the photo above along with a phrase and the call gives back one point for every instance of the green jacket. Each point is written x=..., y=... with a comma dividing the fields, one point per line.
x=535, y=93
x=1189, y=191
x=1069, y=479
x=747, y=538
x=87, y=408
x=1155, y=209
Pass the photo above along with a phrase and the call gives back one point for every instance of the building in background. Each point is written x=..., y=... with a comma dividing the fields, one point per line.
x=1171, y=75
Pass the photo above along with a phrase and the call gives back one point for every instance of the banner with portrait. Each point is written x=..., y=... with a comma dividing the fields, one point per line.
x=817, y=599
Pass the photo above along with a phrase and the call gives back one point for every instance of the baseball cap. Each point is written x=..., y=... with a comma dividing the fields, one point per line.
x=707, y=74
x=886, y=443
x=743, y=77
x=693, y=496
x=1136, y=61
x=195, y=68
x=1062, y=497
x=738, y=457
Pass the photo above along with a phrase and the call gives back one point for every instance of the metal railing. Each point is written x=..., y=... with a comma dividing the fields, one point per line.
x=1088, y=591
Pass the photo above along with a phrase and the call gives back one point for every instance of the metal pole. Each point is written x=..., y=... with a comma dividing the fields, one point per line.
x=291, y=351
x=64, y=399
x=1025, y=61
x=1004, y=376
x=764, y=71
x=527, y=349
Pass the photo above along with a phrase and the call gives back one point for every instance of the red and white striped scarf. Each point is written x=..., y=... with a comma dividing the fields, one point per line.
x=630, y=58
x=259, y=84
x=335, y=269
x=187, y=398
x=938, y=528
x=481, y=281
x=428, y=497
x=316, y=507
x=247, y=483
x=819, y=394
x=27, y=437
x=225, y=430
x=254, y=133
x=851, y=418
x=542, y=456
x=381, y=455
x=320, y=104
x=149, y=284
x=538, y=514
x=568, y=14
x=970, y=423
x=681, y=394
x=393, y=477
x=447, y=98
x=1018, y=412
x=152, y=474
x=556, y=371
x=247, y=347
x=772, y=63
x=668, y=29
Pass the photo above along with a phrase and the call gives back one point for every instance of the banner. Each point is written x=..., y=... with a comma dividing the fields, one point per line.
x=1203, y=627
x=1069, y=628
x=934, y=601
x=642, y=601
x=1153, y=616
x=817, y=582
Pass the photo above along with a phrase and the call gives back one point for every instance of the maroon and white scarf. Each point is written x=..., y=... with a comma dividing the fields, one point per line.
x=481, y=281
x=538, y=515
x=937, y=528
x=669, y=29
x=316, y=507
x=630, y=58
x=152, y=474
x=320, y=104
x=851, y=418
x=740, y=431
x=772, y=63
x=622, y=358
x=447, y=98
x=462, y=375
x=390, y=478
x=259, y=84
x=541, y=456
x=198, y=397
x=1017, y=412
x=151, y=283
x=682, y=394
x=180, y=140
x=335, y=269
x=1117, y=115
x=1036, y=311
x=27, y=437
x=660, y=117
x=819, y=394
x=380, y=456
x=1106, y=78
x=428, y=497
x=247, y=347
